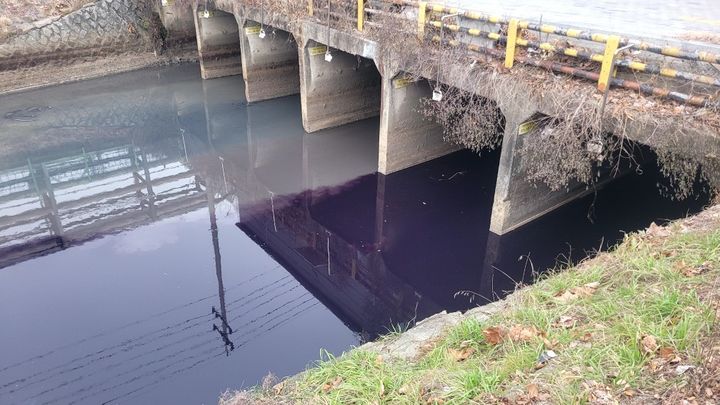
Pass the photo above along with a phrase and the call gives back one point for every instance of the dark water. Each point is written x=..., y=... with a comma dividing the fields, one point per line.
x=161, y=242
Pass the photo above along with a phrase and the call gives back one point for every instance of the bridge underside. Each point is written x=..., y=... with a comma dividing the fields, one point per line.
x=269, y=62
x=351, y=81
x=406, y=137
x=218, y=43
x=339, y=91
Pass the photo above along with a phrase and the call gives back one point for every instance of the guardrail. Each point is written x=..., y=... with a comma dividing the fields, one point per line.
x=362, y=12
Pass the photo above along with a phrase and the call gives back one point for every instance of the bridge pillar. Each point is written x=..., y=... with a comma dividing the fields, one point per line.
x=269, y=65
x=178, y=22
x=517, y=201
x=406, y=137
x=218, y=43
x=338, y=92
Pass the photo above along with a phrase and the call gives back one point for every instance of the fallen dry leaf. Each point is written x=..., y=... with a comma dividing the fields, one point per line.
x=494, y=335
x=648, y=344
x=574, y=293
x=550, y=344
x=655, y=230
x=565, y=296
x=666, y=352
x=599, y=393
x=330, y=385
x=533, y=391
x=690, y=271
x=566, y=322
x=656, y=364
x=587, y=289
x=278, y=388
x=461, y=354
x=522, y=333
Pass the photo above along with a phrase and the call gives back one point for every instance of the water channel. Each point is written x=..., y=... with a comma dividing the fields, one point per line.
x=161, y=241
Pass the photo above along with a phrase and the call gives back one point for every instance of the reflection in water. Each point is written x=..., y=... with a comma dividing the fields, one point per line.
x=138, y=187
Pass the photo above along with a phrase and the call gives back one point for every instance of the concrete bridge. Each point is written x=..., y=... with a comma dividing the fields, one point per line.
x=344, y=72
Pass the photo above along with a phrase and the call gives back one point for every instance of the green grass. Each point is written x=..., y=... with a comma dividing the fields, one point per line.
x=642, y=291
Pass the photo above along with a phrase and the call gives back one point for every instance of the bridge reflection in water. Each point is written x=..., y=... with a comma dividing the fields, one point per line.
x=375, y=250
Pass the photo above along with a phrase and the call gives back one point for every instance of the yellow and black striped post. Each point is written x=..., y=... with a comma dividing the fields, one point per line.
x=511, y=42
x=422, y=10
x=360, y=14
x=608, y=63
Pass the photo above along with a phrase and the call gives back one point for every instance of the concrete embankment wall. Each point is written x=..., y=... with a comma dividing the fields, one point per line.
x=103, y=27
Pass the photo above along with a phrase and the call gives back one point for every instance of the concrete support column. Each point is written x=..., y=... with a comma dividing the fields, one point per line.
x=178, y=22
x=334, y=93
x=269, y=65
x=218, y=43
x=406, y=137
x=517, y=201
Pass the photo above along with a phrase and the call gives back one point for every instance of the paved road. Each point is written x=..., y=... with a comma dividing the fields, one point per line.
x=666, y=19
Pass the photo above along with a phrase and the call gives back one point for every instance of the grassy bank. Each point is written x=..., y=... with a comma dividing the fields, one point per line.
x=635, y=325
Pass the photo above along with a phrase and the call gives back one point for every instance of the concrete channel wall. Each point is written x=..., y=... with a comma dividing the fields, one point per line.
x=106, y=26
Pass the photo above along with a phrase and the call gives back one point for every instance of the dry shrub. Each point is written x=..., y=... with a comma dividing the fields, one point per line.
x=556, y=159
x=342, y=16
x=708, y=37
x=5, y=27
x=566, y=149
x=467, y=119
x=688, y=175
x=69, y=6
x=683, y=174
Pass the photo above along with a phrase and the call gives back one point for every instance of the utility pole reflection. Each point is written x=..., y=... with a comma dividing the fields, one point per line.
x=224, y=330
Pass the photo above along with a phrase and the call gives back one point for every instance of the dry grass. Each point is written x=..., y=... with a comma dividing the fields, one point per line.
x=707, y=37
x=5, y=27
x=68, y=6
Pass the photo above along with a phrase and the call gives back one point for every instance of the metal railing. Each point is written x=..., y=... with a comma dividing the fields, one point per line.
x=508, y=35
x=428, y=15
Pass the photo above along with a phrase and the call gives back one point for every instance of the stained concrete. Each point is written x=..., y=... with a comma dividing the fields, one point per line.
x=406, y=137
x=518, y=202
x=178, y=22
x=338, y=92
x=411, y=344
x=421, y=338
x=269, y=65
x=218, y=41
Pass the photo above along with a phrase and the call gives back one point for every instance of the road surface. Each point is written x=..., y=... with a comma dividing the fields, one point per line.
x=667, y=19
